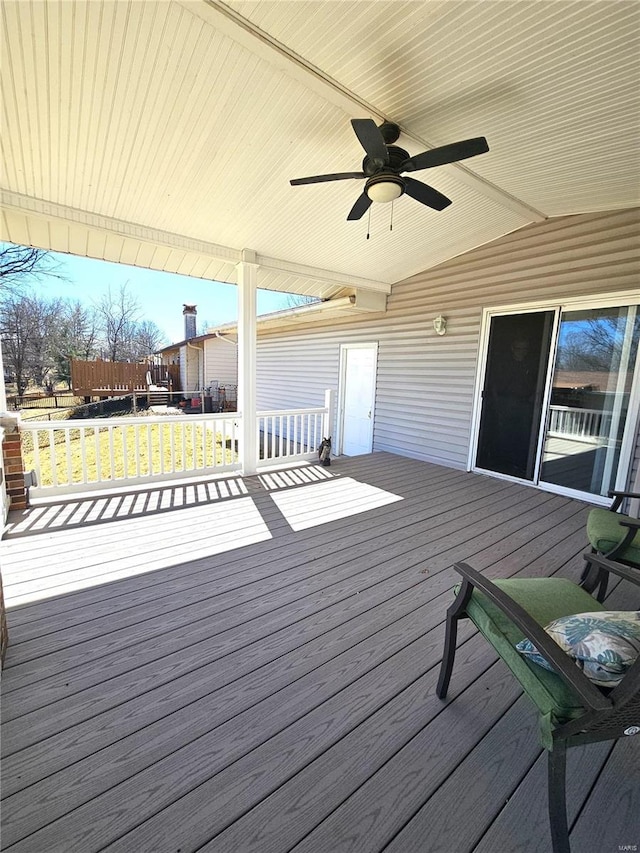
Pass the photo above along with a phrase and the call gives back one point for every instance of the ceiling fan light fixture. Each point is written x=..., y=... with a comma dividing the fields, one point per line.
x=384, y=188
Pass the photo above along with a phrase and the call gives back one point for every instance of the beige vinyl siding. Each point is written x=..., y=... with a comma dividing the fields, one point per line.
x=190, y=368
x=294, y=371
x=425, y=383
x=220, y=361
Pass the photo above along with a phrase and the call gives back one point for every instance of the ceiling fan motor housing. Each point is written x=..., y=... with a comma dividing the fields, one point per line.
x=397, y=157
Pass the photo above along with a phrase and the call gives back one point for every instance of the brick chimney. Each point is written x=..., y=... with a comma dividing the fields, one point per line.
x=189, y=312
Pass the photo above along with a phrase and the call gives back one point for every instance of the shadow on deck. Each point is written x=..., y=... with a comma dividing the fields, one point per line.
x=256, y=671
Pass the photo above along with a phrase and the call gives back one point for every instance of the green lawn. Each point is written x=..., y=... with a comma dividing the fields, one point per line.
x=192, y=447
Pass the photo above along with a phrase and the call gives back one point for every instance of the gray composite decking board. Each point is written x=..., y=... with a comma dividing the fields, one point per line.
x=488, y=775
x=287, y=815
x=396, y=789
x=523, y=822
x=396, y=564
x=611, y=817
x=242, y=525
x=144, y=621
x=304, y=705
x=96, y=732
x=139, y=584
x=206, y=701
x=395, y=543
x=220, y=799
x=57, y=712
x=265, y=547
x=357, y=686
x=216, y=584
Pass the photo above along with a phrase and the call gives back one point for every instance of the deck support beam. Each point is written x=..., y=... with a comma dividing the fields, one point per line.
x=247, y=337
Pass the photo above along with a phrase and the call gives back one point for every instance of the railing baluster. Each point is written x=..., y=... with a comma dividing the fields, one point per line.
x=112, y=471
x=136, y=444
x=150, y=470
x=35, y=437
x=84, y=468
x=67, y=449
x=96, y=444
x=53, y=458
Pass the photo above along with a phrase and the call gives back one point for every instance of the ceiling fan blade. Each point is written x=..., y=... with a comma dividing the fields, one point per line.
x=425, y=194
x=371, y=139
x=360, y=207
x=320, y=179
x=446, y=154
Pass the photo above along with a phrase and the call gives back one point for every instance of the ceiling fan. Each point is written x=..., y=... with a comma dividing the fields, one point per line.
x=384, y=162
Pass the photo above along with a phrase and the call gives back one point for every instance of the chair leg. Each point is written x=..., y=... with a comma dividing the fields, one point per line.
x=594, y=579
x=448, y=656
x=558, y=798
x=454, y=613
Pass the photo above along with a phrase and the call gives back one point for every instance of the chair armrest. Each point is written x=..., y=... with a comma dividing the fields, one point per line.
x=618, y=497
x=626, y=572
x=633, y=523
x=612, y=493
x=563, y=665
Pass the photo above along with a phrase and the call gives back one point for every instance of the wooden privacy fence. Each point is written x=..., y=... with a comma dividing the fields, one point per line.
x=106, y=378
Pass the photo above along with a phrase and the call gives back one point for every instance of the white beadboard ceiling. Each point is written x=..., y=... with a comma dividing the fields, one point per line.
x=164, y=134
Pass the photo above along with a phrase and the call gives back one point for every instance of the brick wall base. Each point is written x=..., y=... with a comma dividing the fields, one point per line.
x=14, y=468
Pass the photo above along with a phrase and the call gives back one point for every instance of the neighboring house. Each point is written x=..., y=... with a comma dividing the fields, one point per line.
x=205, y=360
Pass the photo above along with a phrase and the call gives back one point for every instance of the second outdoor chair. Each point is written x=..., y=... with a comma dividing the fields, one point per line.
x=614, y=535
x=572, y=709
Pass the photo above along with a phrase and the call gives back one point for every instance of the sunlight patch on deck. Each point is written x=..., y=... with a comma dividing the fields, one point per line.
x=310, y=506
x=125, y=548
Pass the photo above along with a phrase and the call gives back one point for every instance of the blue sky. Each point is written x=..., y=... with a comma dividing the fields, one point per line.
x=160, y=295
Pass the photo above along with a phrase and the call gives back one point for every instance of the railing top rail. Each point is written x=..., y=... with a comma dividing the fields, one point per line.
x=76, y=423
x=321, y=410
x=556, y=408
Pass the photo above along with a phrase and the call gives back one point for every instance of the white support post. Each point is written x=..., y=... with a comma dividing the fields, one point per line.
x=3, y=392
x=329, y=404
x=247, y=290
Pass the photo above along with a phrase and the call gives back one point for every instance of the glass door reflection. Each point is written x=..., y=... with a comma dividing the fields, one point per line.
x=595, y=362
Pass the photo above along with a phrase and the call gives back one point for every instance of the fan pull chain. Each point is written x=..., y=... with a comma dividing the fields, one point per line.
x=391, y=221
x=369, y=224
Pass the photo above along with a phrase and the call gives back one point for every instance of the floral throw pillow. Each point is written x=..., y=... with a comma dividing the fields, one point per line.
x=603, y=644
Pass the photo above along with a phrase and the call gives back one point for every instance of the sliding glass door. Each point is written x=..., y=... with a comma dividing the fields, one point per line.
x=591, y=386
x=555, y=402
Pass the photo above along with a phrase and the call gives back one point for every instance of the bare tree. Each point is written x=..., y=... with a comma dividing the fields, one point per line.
x=147, y=339
x=46, y=317
x=76, y=337
x=294, y=300
x=20, y=265
x=117, y=316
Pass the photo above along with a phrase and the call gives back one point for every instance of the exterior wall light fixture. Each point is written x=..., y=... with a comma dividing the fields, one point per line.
x=440, y=325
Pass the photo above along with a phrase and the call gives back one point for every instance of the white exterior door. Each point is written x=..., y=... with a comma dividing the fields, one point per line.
x=357, y=397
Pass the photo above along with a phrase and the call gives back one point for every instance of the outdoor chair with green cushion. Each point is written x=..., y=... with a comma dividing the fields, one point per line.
x=616, y=536
x=572, y=709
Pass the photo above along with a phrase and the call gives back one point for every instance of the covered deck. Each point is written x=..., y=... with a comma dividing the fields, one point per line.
x=250, y=665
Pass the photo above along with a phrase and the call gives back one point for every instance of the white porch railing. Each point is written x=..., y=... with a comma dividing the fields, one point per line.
x=288, y=435
x=588, y=425
x=83, y=455
x=80, y=455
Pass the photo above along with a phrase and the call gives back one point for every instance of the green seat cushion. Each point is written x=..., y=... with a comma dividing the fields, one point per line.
x=545, y=599
x=604, y=532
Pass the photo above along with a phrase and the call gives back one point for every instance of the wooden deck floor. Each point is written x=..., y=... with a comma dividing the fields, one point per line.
x=251, y=665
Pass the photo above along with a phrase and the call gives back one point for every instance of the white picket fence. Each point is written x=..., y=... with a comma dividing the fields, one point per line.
x=585, y=424
x=83, y=455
